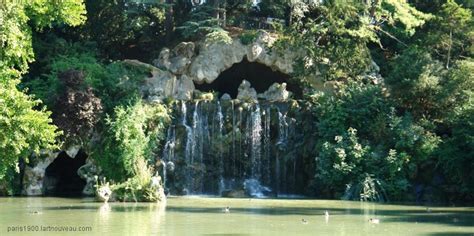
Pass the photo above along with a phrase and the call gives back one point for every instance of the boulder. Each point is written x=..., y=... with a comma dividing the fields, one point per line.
x=177, y=60
x=276, y=92
x=34, y=175
x=163, y=60
x=246, y=92
x=182, y=55
x=89, y=172
x=214, y=58
x=226, y=97
x=184, y=88
x=164, y=84
x=184, y=49
x=160, y=85
x=73, y=150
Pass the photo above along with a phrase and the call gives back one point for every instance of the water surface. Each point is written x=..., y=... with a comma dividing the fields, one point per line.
x=205, y=216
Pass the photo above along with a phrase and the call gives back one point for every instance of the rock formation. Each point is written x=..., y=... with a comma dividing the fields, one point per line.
x=89, y=172
x=34, y=175
x=276, y=92
x=176, y=70
x=246, y=92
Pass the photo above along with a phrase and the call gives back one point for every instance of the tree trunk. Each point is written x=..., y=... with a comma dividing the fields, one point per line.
x=449, y=48
x=169, y=20
x=215, y=6
x=224, y=13
x=290, y=16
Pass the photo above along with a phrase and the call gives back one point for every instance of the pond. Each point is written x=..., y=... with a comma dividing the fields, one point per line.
x=205, y=216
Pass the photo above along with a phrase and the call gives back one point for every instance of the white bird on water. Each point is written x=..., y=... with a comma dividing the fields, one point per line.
x=326, y=216
x=374, y=221
x=226, y=209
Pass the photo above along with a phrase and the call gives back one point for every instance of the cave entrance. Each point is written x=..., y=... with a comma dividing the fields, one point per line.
x=61, y=177
x=260, y=76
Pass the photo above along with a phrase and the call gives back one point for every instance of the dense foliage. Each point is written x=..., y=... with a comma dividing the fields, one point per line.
x=397, y=123
x=25, y=126
x=391, y=139
x=24, y=129
x=128, y=148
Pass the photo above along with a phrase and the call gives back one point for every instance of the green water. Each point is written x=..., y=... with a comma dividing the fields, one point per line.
x=204, y=216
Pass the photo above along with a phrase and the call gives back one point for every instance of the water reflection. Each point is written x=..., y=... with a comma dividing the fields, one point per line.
x=130, y=218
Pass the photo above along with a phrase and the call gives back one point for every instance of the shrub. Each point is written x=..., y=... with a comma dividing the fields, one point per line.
x=360, y=134
x=248, y=37
x=130, y=141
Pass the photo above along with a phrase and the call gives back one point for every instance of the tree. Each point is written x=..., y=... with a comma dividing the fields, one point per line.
x=453, y=33
x=19, y=18
x=25, y=129
x=128, y=29
x=77, y=109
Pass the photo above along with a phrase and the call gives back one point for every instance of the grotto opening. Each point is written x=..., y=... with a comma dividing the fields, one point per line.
x=61, y=178
x=260, y=76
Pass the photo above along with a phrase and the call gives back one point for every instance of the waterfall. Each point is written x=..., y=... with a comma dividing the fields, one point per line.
x=221, y=146
x=282, y=129
x=240, y=140
x=201, y=139
x=266, y=146
x=281, y=167
x=168, y=151
x=189, y=133
x=197, y=132
x=220, y=124
x=291, y=134
x=234, y=157
x=256, y=142
x=164, y=173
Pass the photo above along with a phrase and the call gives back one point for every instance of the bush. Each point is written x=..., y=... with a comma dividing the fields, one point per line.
x=114, y=83
x=218, y=36
x=130, y=142
x=248, y=37
x=359, y=134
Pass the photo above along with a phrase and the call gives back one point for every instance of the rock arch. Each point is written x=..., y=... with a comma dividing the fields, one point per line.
x=176, y=71
x=260, y=77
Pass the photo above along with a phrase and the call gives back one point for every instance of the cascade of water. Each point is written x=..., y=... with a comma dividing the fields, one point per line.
x=234, y=170
x=220, y=126
x=281, y=169
x=240, y=154
x=255, y=154
x=277, y=173
x=197, y=132
x=168, y=151
x=189, y=133
x=202, y=139
x=188, y=148
x=291, y=133
x=163, y=163
x=266, y=145
x=255, y=142
x=282, y=129
x=169, y=145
